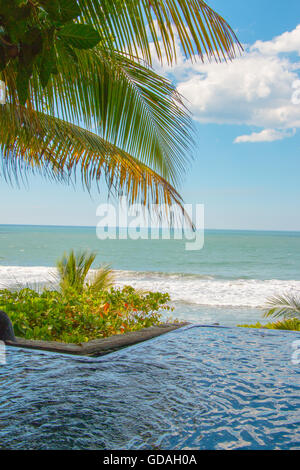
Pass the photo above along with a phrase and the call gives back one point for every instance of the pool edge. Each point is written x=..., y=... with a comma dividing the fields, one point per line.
x=99, y=347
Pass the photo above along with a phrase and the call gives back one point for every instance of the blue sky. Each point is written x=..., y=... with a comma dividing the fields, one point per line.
x=247, y=157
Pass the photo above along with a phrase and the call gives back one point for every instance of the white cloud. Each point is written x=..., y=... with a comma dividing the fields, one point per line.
x=255, y=89
x=267, y=135
x=286, y=42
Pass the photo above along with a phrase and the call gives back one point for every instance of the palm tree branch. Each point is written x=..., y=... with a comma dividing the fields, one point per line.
x=132, y=24
x=125, y=101
x=37, y=141
x=286, y=306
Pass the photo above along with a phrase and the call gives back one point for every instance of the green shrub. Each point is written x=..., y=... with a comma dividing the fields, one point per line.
x=289, y=324
x=76, y=317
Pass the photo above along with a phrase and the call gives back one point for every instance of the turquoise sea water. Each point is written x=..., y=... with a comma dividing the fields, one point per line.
x=227, y=281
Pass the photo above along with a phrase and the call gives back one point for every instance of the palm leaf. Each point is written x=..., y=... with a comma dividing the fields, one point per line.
x=103, y=279
x=130, y=25
x=123, y=101
x=73, y=269
x=142, y=124
x=32, y=141
x=285, y=306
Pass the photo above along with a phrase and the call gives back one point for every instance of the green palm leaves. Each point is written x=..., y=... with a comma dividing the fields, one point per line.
x=87, y=99
x=131, y=25
x=284, y=306
x=73, y=270
x=285, y=309
x=30, y=31
x=39, y=143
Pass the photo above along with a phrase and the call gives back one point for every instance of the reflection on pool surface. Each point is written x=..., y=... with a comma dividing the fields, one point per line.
x=196, y=388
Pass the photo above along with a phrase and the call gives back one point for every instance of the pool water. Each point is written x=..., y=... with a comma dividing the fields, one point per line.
x=195, y=388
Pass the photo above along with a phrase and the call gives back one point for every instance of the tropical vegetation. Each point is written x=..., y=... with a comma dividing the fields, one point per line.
x=74, y=317
x=82, y=307
x=289, y=324
x=73, y=270
x=83, y=100
x=286, y=308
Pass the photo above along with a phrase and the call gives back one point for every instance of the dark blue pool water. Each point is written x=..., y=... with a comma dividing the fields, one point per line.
x=198, y=388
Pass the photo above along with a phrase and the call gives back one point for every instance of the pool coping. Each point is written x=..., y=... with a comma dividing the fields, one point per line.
x=99, y=347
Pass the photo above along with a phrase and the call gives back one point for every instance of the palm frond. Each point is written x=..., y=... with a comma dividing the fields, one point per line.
x=73, y=269
x=123, y=101
x=285, y=306
x=33, y=142
x=130, y=25
x=142, y=125
x=103, y=279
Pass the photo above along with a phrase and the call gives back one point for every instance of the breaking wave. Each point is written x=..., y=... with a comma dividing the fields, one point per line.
x=188, y=288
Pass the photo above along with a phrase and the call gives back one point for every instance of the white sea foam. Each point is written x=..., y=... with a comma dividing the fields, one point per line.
x=212, y=292
x=26, y=276
x=193, y=289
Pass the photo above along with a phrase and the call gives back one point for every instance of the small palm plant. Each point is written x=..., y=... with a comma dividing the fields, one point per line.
x=103, y=279
x=73, y=270
x=284, y=306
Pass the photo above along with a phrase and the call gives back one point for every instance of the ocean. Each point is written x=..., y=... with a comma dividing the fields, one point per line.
x=227, y=282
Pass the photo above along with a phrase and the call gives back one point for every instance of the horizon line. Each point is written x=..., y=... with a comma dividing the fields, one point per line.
x=149, y=228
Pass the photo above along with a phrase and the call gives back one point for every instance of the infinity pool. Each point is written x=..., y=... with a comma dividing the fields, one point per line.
x=195, y=388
